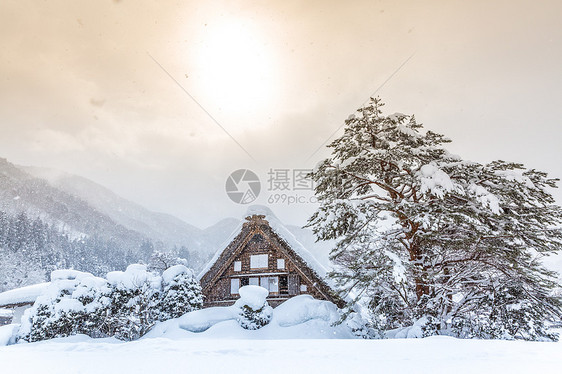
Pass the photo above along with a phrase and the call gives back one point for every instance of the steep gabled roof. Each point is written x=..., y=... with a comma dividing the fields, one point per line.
x=261, y=220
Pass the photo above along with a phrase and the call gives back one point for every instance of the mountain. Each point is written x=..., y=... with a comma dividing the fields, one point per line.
x=23, y=192
x=215, y=236
x=165, y=228
x=158, y=227
x=83, y=208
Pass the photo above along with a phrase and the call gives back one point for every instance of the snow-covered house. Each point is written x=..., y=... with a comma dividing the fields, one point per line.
x=263, y=252
x=19, y=299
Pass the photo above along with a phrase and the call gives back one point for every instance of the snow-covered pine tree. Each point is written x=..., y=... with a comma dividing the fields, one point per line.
x=74, y=303
x=134, y=305
x=422, y=233
x=181, y=293
x=31, y=249
x=126, y=305
x=18, y=270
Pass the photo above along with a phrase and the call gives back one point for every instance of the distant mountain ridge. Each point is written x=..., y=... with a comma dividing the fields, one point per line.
x=80, y=206
x=157, y=226
x=23, y=192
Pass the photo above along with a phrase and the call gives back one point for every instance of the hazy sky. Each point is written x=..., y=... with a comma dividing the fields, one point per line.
x=80, y=92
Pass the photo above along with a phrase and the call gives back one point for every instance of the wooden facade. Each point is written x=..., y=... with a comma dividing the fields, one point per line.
x=261, y=257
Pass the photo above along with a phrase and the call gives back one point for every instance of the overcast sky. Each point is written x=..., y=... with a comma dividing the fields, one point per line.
x=80, y=91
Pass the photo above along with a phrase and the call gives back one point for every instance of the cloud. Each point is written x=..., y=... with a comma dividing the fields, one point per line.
x=80, y=93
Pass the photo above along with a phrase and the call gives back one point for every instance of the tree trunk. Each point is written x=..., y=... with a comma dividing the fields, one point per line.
x=422, y=284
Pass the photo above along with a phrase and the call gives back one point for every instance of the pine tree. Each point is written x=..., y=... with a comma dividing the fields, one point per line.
x=133, y=310
x=181, y=293
x=422, y=233
x=76, y=308
x=32, y=249
x=125, y=307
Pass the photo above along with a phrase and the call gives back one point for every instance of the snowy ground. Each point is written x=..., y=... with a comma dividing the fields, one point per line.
x=300, y=338
x=164, y=355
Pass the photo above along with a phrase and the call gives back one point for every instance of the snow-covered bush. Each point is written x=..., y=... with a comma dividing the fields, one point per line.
x=421, y=328
x=361, y=328
x=251, y=319
x=181, y=293
x=255, y=312
x=126, y=305
x=74, y=303
x=504, y=314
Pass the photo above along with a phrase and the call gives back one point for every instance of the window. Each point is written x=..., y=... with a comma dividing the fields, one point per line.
x=270, y=283
x=258, y=261
x=254, y=281
x=237, y=265
x=234, y=285
x=244, y=282
x=273, y=284
x=280, y=263
x=303, y=288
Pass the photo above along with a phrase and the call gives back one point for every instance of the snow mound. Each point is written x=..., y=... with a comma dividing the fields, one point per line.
x=303, y=308
x=133, y=277
x=435, y=180
x=252, y=296
x=411, y=332
x=6, y=312
x=68, y=305
x=68, y=274
x=486, y=198
x=74, y=282
x=201, y=320
x=61, y=296
x=26, y=294
x=177, y=354
x=301, y=317
x=7, y=334
x=169, y=274
x=259, y=210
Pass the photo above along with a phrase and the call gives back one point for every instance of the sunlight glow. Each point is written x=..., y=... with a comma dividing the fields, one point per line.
x=235, y=71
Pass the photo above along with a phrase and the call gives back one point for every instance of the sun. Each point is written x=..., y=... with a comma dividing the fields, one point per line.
x=236, y=69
